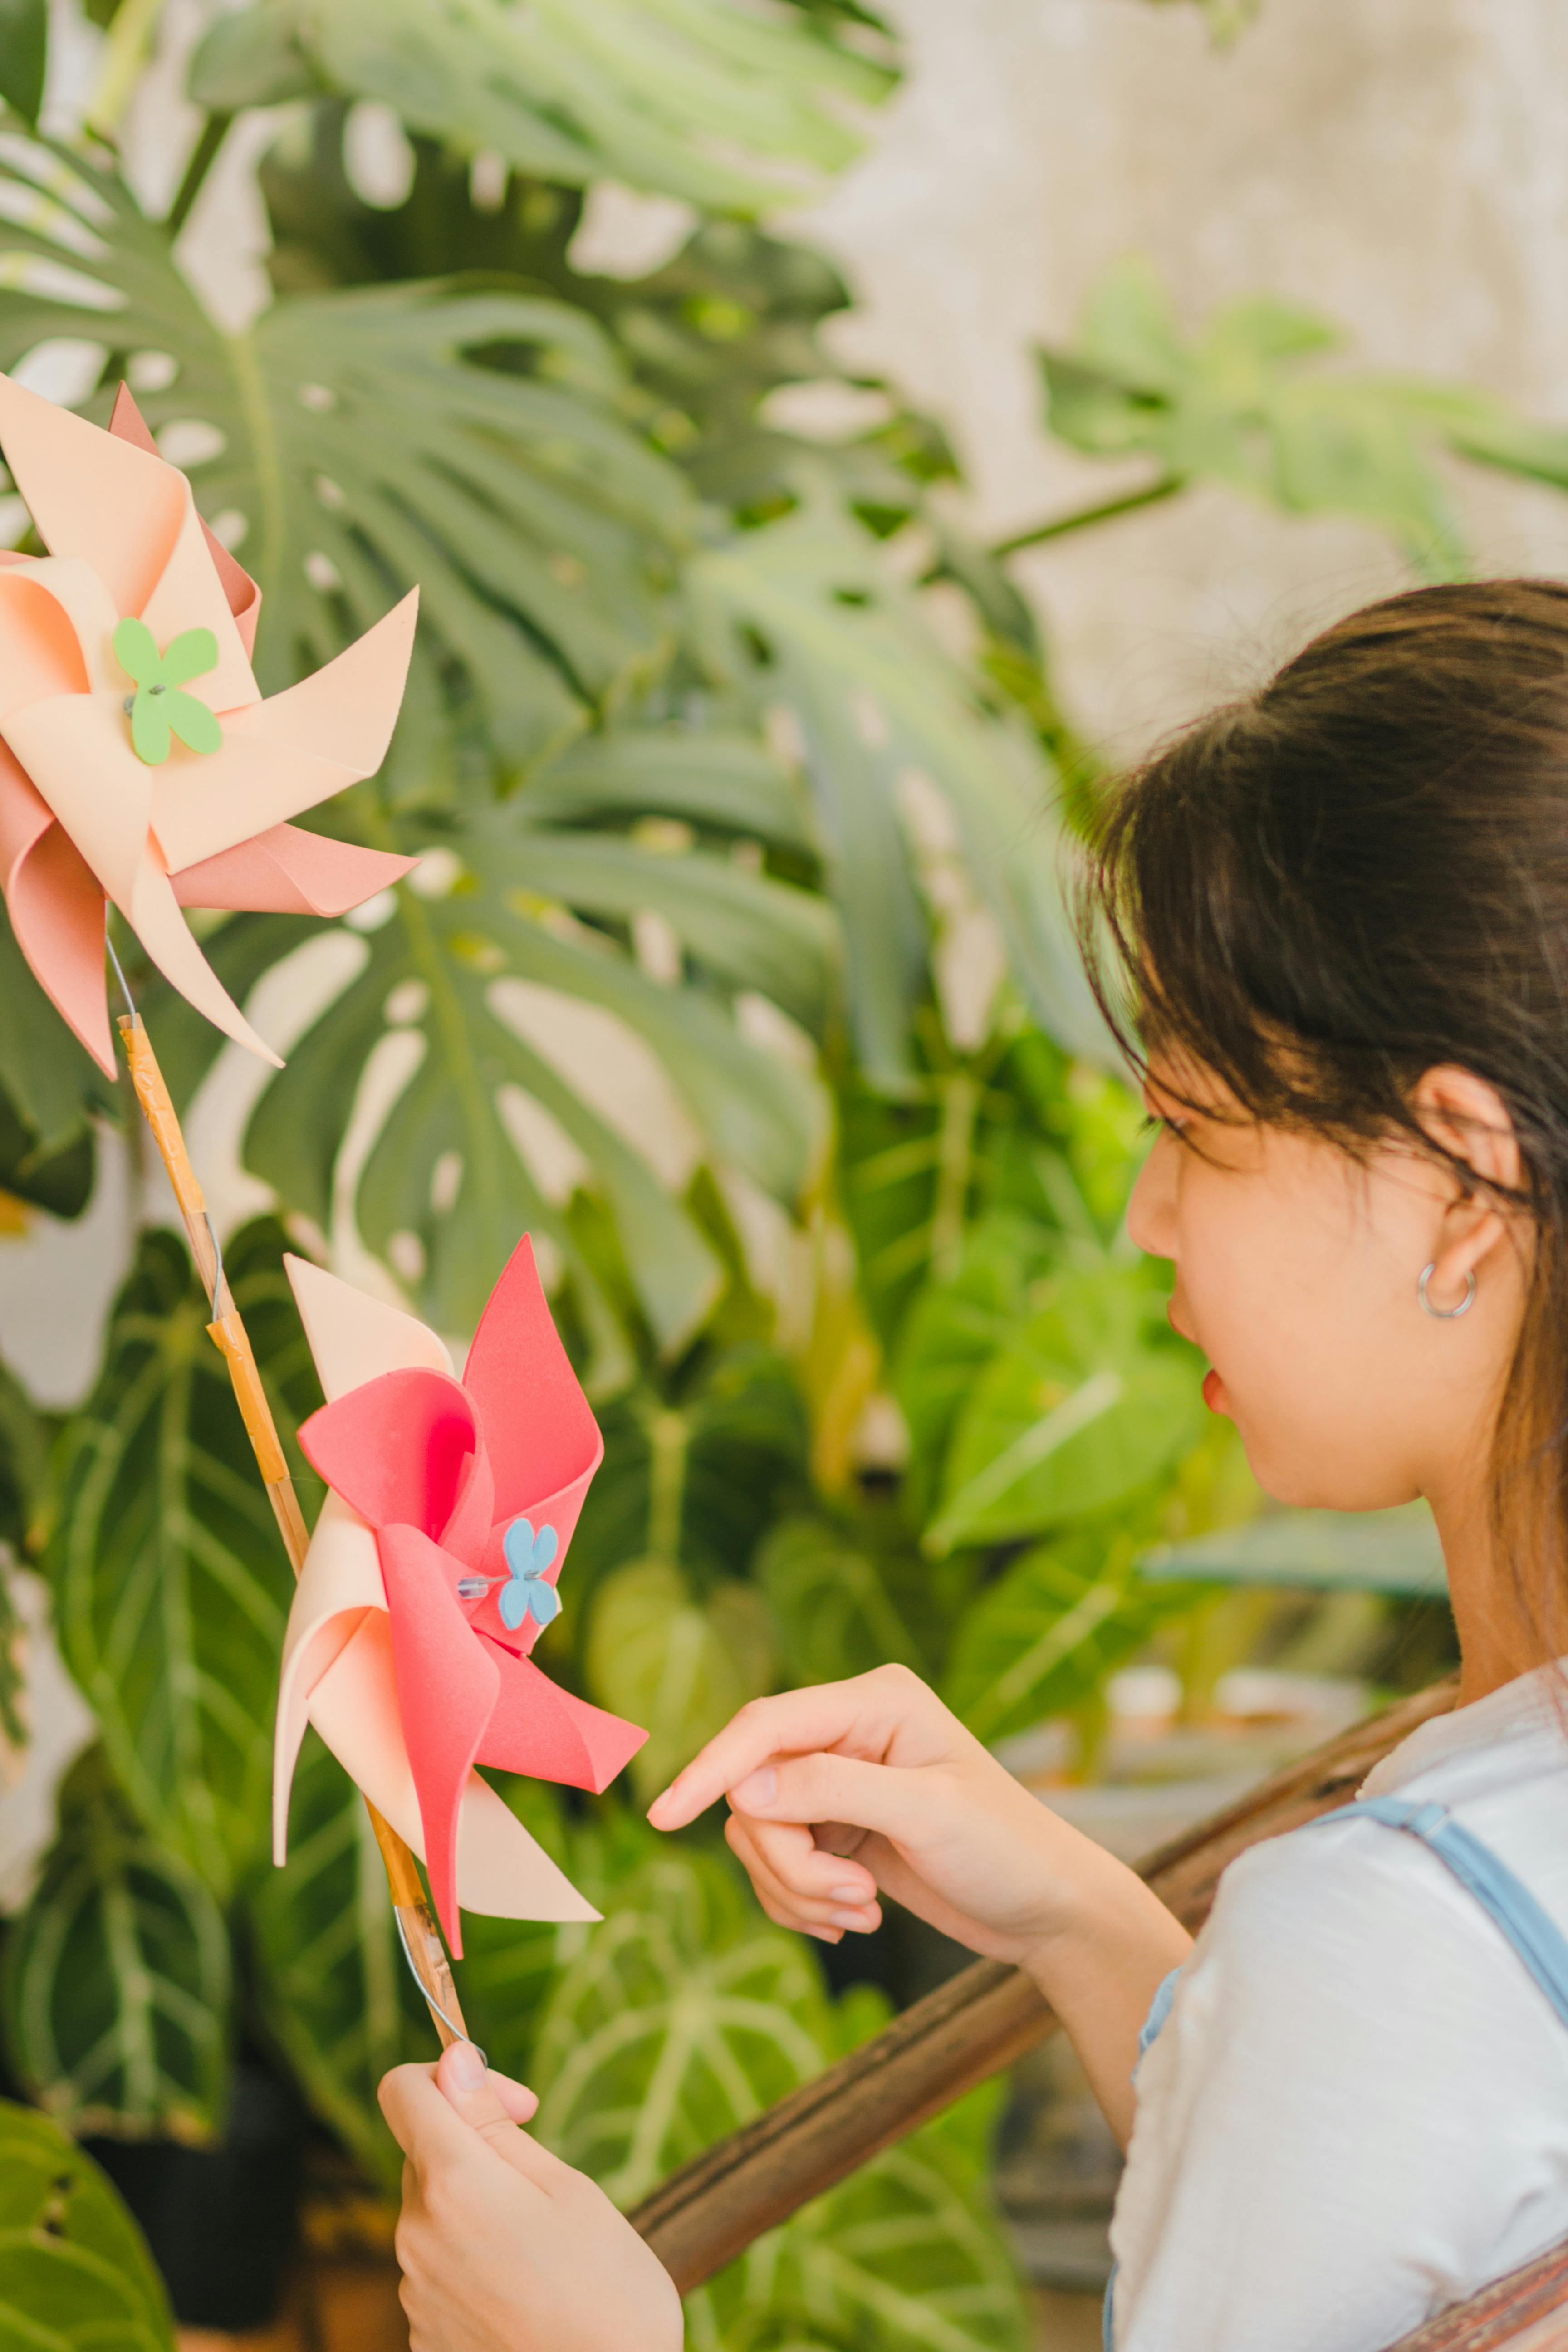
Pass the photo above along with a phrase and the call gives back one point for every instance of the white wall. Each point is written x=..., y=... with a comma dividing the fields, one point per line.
x=1400, y=164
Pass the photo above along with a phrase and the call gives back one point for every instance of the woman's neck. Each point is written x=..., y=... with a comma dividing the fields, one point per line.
x=1490, y=1611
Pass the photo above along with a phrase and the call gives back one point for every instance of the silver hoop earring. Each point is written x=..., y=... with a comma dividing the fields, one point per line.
x=1443, y=1314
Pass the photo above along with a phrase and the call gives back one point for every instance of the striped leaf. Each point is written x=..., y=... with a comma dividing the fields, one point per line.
x=684, y=2016
x=116, y=1988
x=74, y=2275
x=331, y=1985
x=172, y=1584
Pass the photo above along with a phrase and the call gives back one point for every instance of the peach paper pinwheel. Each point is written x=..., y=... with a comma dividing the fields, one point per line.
x=430, y=1575
x=139, y=762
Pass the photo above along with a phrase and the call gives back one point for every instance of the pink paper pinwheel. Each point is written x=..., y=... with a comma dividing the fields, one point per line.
x=430, y=1574
x=138, y=761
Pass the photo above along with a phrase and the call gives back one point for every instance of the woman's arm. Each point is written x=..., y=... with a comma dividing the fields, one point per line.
x=872, y=1785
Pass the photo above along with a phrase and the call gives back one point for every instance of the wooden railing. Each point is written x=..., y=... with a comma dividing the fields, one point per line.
x=981, y=2019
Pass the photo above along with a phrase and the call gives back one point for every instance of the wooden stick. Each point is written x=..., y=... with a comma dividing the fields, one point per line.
x=979, y=2022
x=1527, y=2311
x=421, y=1934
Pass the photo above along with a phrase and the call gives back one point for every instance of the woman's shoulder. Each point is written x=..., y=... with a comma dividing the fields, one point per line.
x=1364, y=1927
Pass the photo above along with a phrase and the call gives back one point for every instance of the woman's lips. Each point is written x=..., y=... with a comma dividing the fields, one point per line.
x=1214, y=1392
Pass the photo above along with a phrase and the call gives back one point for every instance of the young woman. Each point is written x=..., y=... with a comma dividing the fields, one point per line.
x=1338, y=915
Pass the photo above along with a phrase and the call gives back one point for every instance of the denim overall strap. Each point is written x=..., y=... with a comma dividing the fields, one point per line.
x=1540, y=1945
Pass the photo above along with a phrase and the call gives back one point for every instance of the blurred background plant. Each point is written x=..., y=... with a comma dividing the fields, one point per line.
x=737, y=969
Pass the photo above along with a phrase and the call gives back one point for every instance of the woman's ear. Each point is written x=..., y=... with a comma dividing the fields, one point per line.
x=1468, y=1118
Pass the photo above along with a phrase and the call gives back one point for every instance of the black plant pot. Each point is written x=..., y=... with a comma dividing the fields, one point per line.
x=221, y=2221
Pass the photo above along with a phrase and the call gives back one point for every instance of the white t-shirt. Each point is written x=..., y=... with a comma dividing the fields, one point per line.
x=1357, y=2111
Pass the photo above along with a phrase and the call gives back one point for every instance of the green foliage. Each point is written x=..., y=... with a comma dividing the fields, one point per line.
x=379, y=438
x=24, y=52
x=694, y=98
x=74, y=2275
x=804, y=612
x=472, y=981
x=679, y=1667
x=683, y=2017
x=1090, y=1399
x=172, y=1585
x=332, y=1990
x=1242, y=404
x=47, y=1082
x=24, y=1463
x=1049, y=1630
x=692, y=1478
x=838, y=1607
x=116, y=1989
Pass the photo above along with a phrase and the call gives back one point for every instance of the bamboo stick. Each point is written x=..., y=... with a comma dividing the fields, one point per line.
x=979, y=2022
x=420, y=1934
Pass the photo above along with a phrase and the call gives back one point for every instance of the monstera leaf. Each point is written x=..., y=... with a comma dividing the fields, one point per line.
x=699, y=98
x=116, y=1987
x=351, y=443
x=522, y=1029
x=75, y=2275
x=1241, y=403
x=806, y=616
x=171, y=1582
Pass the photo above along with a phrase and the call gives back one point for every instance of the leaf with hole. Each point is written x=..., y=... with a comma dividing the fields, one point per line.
x=75, y=2273
x=805, y=614
x=351, y=445
x=698, y=98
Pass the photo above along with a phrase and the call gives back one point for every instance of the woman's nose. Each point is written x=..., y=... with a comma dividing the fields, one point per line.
x=1152, y=1211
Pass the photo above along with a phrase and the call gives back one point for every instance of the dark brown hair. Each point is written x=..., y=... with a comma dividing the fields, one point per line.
x=1321, y=891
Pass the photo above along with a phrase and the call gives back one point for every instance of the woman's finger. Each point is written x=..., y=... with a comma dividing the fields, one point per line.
x=789, y=1909
x=814, y=1873
x=462, y=2120
x=863, y=1714
x=902, y=1805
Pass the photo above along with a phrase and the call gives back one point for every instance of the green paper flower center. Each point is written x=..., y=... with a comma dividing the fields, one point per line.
x=160, y=709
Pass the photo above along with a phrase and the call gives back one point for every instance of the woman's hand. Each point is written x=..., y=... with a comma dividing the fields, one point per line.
x=504, y=2248
x=872, y=1785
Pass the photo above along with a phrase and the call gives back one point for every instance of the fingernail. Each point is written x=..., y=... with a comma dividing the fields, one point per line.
x=757, y=1790
x=856, y=1919
x=850, y=1896
x=465, y=2066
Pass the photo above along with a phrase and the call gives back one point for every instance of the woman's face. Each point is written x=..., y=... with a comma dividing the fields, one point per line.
x=1297, y=1269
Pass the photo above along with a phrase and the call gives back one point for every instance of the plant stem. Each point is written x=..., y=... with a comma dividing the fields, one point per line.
x=1059, y=525
x=125, y=51
x=215, y=130
x=960, y=1108
x=668, y=1438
